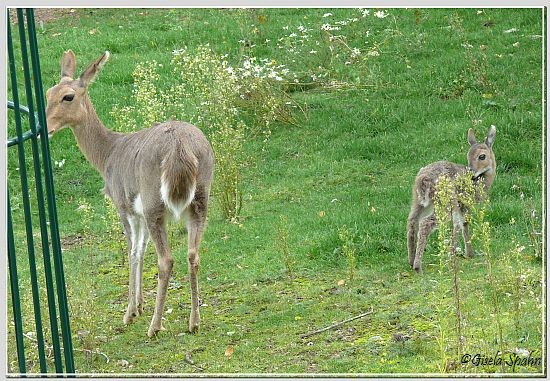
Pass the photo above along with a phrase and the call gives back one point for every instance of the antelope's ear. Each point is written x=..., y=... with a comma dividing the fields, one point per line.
x=91, y=72
x=491, y=136
x=68, y=64
x=471, y=137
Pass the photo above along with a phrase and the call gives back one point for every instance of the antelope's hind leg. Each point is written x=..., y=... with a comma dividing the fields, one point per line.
x=427, y=225
x=412, y=232
x=196, y=218
x=157, y=231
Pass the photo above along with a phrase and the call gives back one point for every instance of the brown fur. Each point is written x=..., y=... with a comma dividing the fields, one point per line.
x=134, y=166
x=421, y=221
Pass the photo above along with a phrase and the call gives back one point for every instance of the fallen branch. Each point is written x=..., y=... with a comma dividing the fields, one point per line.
x=337, y=324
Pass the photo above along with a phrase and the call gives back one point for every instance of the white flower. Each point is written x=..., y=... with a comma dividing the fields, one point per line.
x=355, y=52
x=327, y=15
x=364, y=12
x=381, y=14
x=373, y=53
x=60, y=164
x=313, y=52
x=246, y=64
x=325, y=27
x=292, y=35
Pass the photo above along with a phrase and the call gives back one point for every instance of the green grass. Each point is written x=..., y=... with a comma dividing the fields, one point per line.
x=351, y=162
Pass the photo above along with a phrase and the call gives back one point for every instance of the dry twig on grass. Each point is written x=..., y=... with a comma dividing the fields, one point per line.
x=335, y=325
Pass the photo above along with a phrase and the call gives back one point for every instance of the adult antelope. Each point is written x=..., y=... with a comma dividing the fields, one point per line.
x=149, y=174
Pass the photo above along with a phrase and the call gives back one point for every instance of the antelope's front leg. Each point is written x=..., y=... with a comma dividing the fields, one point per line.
x=132, y=310
x=142, y=247
x=137, y=237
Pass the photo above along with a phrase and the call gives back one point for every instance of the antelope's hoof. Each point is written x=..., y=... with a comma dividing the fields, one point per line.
x=194, y=328
x=153, y=330
x=194, y=323
x=130, y=316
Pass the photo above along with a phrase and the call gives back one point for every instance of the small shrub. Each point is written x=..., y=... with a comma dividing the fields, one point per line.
x=347, y=239
x=206, y=91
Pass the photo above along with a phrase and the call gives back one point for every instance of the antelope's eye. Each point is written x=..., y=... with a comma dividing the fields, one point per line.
x=68, y=97
x=481, y=157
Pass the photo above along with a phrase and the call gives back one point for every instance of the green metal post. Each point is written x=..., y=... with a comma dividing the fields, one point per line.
x=14, y=283
x=47, y=215
x=58, y=262
x=26, y=208
x=40, y=197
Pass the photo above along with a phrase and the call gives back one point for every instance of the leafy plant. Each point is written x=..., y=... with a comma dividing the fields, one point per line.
x=347, y=237
x=282, y=242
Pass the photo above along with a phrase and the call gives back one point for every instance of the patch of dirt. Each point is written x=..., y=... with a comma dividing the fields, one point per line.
x=46, y=15
x=71, y=241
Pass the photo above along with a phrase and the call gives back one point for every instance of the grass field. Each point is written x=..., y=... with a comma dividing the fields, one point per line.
x=321, y=236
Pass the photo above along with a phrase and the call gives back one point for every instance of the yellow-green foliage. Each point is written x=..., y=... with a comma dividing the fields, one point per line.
x=212, y=91
x=86, y=212
x=115, y=240
x=456, y=195
x=451, y=194
x=147, y=106
x=347, y=238
x=206, y=91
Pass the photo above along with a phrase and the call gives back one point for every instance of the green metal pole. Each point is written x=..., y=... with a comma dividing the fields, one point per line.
x=40, y=197
x=14, y=283
x=54, y=227
x=26, y=207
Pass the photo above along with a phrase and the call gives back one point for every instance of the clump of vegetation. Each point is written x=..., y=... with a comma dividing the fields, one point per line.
x=453, y=196
x=347, y=237
x=114, y=239
x=282, y=241
x=216, y=97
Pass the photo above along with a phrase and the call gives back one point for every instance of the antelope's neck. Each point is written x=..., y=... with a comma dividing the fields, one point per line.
x=94, y=140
